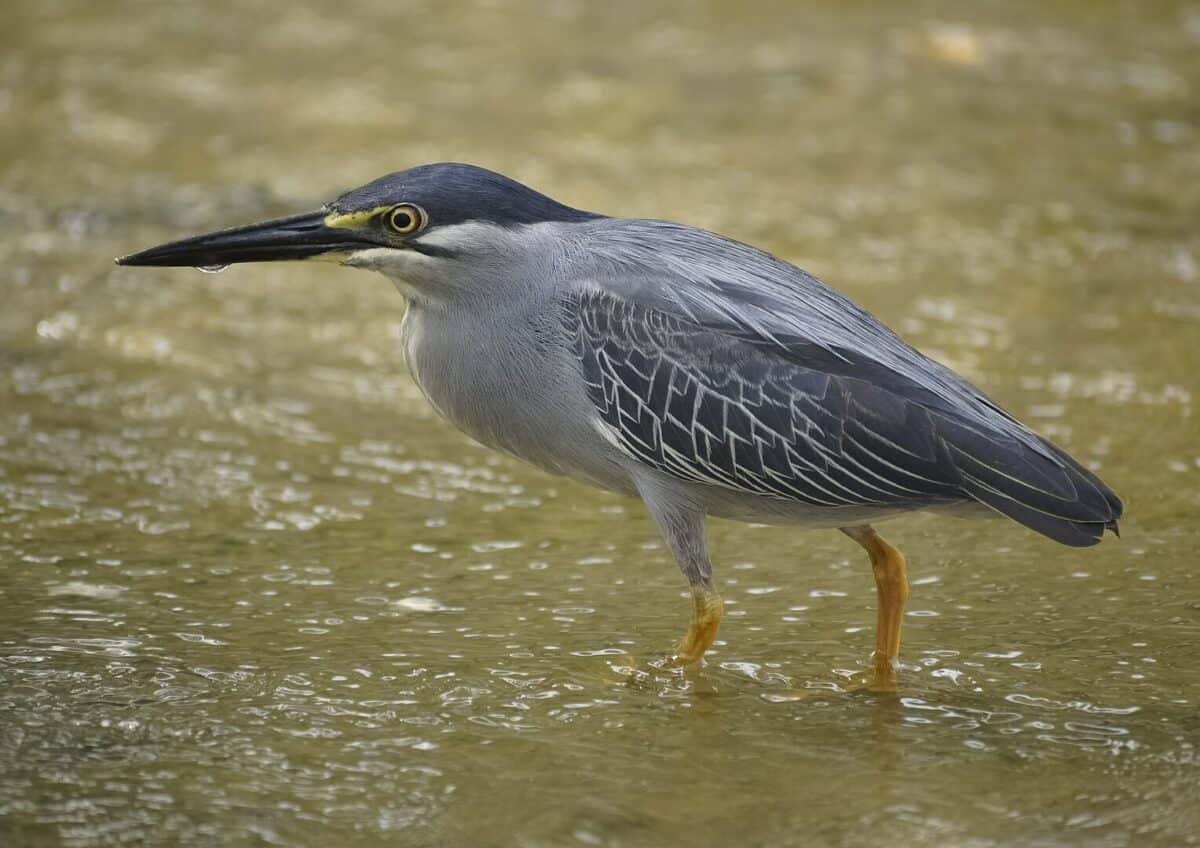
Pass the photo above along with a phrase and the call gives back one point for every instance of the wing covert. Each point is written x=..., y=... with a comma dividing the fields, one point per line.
x=711, y=408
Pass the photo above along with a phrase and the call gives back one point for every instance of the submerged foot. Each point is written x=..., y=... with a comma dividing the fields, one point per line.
x=707, y=611
x=883, y=675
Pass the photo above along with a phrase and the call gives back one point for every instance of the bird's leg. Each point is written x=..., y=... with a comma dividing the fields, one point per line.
x=682, y=526
x=707, y=610
x=891, y=584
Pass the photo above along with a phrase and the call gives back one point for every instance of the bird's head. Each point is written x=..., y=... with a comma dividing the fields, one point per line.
x=422, y=227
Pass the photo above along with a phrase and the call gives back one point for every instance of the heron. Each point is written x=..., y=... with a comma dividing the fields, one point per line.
x=665, y=362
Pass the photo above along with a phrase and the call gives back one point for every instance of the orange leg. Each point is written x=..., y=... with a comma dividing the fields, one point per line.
x=891, y=584
x=707, y=610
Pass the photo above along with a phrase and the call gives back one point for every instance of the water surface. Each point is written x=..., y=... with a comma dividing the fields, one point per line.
x=254, y=592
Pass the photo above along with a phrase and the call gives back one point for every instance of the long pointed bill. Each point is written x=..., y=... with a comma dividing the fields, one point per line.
x=297, y=237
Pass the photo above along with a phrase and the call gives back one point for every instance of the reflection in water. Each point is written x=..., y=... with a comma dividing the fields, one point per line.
x=252, y=586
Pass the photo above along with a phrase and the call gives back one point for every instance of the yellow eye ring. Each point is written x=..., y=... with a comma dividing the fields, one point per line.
x=406, y=218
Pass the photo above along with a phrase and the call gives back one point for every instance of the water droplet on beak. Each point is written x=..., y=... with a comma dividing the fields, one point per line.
x=211, y=269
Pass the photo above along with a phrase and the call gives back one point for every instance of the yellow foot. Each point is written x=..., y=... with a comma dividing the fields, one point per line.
x=891, y=584
x=707, y=610
x=882, y=678
x=883, y=675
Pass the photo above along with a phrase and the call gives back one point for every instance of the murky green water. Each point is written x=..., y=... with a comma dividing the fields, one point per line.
x=253, y=592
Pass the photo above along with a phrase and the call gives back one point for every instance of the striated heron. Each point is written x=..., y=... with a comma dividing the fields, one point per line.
x=659, y=360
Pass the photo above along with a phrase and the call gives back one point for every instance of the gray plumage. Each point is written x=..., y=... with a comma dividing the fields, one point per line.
x=799, y=393
x=662, y=360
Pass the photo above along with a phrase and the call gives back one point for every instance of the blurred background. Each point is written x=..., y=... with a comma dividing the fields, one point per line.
x=255, y=593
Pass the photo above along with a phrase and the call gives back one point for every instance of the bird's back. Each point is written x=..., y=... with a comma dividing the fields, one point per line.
x=717, y=363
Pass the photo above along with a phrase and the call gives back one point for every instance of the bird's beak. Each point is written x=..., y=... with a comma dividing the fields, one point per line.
x=302, y=236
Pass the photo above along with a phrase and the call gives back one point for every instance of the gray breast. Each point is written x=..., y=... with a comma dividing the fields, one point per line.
x=508, y=381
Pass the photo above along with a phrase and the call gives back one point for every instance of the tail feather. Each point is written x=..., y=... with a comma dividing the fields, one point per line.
x=1032, y=482
x=1078, y=534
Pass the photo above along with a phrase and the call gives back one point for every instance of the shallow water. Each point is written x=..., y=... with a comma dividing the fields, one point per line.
x=254, y=592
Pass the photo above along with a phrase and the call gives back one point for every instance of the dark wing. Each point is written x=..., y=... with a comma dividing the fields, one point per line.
x=802, y=423
x=714, y=409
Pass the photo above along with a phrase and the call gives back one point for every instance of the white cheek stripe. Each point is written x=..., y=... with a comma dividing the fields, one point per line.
x=376, y=258
x=460, y=236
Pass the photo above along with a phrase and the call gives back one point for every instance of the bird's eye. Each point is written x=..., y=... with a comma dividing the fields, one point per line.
x=406, y=218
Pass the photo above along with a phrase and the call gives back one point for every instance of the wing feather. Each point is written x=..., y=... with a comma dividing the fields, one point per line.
x=719, y=410
x=693, y=387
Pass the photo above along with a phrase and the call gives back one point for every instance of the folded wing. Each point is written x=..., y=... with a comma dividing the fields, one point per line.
x=718, y=376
